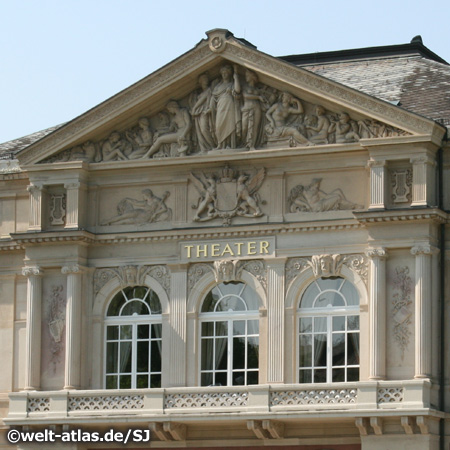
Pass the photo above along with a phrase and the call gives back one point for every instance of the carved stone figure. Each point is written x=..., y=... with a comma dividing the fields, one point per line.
x=326, y=265
x=225, y=108
x=318, y=134
x=227, y=195
x=311, y=198
x=280, y=124
x=346, y=130
x=252, y=112
x=178, y=132
x=225, y=270
x=142, y=138
x=139, y=212
x=114, y=148
x=201, y=113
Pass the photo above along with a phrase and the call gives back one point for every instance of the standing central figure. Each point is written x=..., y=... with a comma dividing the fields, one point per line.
x=225, y=107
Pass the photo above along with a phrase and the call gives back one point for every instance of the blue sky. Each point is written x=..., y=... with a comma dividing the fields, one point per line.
x=60, y=58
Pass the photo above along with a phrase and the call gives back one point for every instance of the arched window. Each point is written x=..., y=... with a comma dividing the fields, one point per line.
x=133, y=339
x=229, y=323
x=328, y=332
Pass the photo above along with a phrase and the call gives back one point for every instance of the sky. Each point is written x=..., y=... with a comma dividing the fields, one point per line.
x=60, y=58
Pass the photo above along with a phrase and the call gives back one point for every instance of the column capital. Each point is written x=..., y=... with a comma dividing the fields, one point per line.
x=71, y=269
x=376, y=163
x=72, y=185
x=422, y=159
x=29, y=271
x=35, y=187
x=423, y=249
x=177, y=267
x=377, y=252
x=276, y=261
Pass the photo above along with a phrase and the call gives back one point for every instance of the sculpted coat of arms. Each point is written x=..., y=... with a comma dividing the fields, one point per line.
x=227, y=194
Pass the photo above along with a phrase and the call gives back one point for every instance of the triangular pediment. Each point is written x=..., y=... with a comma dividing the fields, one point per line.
x=224, y=95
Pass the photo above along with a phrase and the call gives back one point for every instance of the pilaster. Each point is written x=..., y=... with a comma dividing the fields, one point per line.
x=377, y=313
x=73, y=205
x=377, y=183
x=36, y=206
x=73, y=327
x=33, y=333
x=423, y=188
x=177, y=320
x=275, y=320
x=423, y=255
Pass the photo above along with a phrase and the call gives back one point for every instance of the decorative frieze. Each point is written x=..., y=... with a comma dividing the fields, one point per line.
x=402, y=308
x=132, y=276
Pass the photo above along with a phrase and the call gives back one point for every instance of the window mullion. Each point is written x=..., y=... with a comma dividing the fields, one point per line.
x=133, y=355
x=329, y=349
x=230, y=353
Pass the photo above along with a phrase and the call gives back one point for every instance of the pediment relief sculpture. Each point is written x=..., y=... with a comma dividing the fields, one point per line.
x=140, y=212
x=232, y=111
x=227, y=194
x=310, y=198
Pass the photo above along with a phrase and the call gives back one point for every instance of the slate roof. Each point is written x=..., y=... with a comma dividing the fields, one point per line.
x=408, y=75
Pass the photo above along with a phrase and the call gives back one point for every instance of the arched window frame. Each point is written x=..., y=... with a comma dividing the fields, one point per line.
x=229, y=317
x=328, y=314
x=137, y=323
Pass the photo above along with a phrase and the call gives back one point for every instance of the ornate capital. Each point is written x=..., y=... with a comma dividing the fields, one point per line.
x=75, y=185
x=376, y=163
x=35, y=187
x=421, y=160
x=69, y=269
x=29, y=271
x=377, y=252
x=423, y=249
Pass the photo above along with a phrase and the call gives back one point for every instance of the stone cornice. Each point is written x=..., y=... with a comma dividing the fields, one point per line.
x=417, y=215
x=205, y=54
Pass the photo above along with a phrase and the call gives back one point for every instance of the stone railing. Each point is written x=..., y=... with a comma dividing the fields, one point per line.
x=260, y=399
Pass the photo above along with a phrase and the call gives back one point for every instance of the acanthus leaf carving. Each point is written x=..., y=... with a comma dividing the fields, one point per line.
x=196, y=272
x=255, y=267
x=294, y=267
x=227, y=194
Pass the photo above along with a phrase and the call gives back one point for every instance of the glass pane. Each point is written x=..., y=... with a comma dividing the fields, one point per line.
x=156, y=357
x=221, y=329
x=231, y=304
x=320, y=376
x=142, y=356
x=252, y=377
x=112, y=332
x=111, y=382
x=320, y=324
x=353, y=349
x=125, y=382
x=138, y=292
x=329, y=299
x=251, y=299
x=305, y=351
x=350, y=293
x=320, y=350
x=221, y=354
x=210, y=301
x=207, y=362
x=233, y=287
x=155, y=381
x=135, y=308
x=338, y=343
x=239, y=327
x=125, y=331
x=252, y=352
x=116, y=304
x=142, y=381
x=305, y=376
x=339, y=323
x=309, y=296
x=238, y=378
x=143, y=331
x=153, y=302
x=353, y=322
x=338, y=375
x=125, y=357
x=305, y=325
x=112, y=357
x=353, y=374
x=157, y=331
x=207, y=329
x=252, y=327
x=326, y=284
x=239, y=353
x=221, y=379
x=207, y=379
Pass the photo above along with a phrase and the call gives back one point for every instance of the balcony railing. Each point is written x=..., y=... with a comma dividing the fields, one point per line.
x=362, y=397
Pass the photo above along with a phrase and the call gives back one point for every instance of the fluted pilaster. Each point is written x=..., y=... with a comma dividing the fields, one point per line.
x=36, y=198
x=72, y=205
x=377, y=183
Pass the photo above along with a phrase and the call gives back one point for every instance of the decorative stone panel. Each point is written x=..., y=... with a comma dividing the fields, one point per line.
x=206, y=400
x=313, y=397
x=106, y=402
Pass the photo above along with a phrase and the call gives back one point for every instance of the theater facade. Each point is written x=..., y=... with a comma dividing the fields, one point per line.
x=237, y=251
